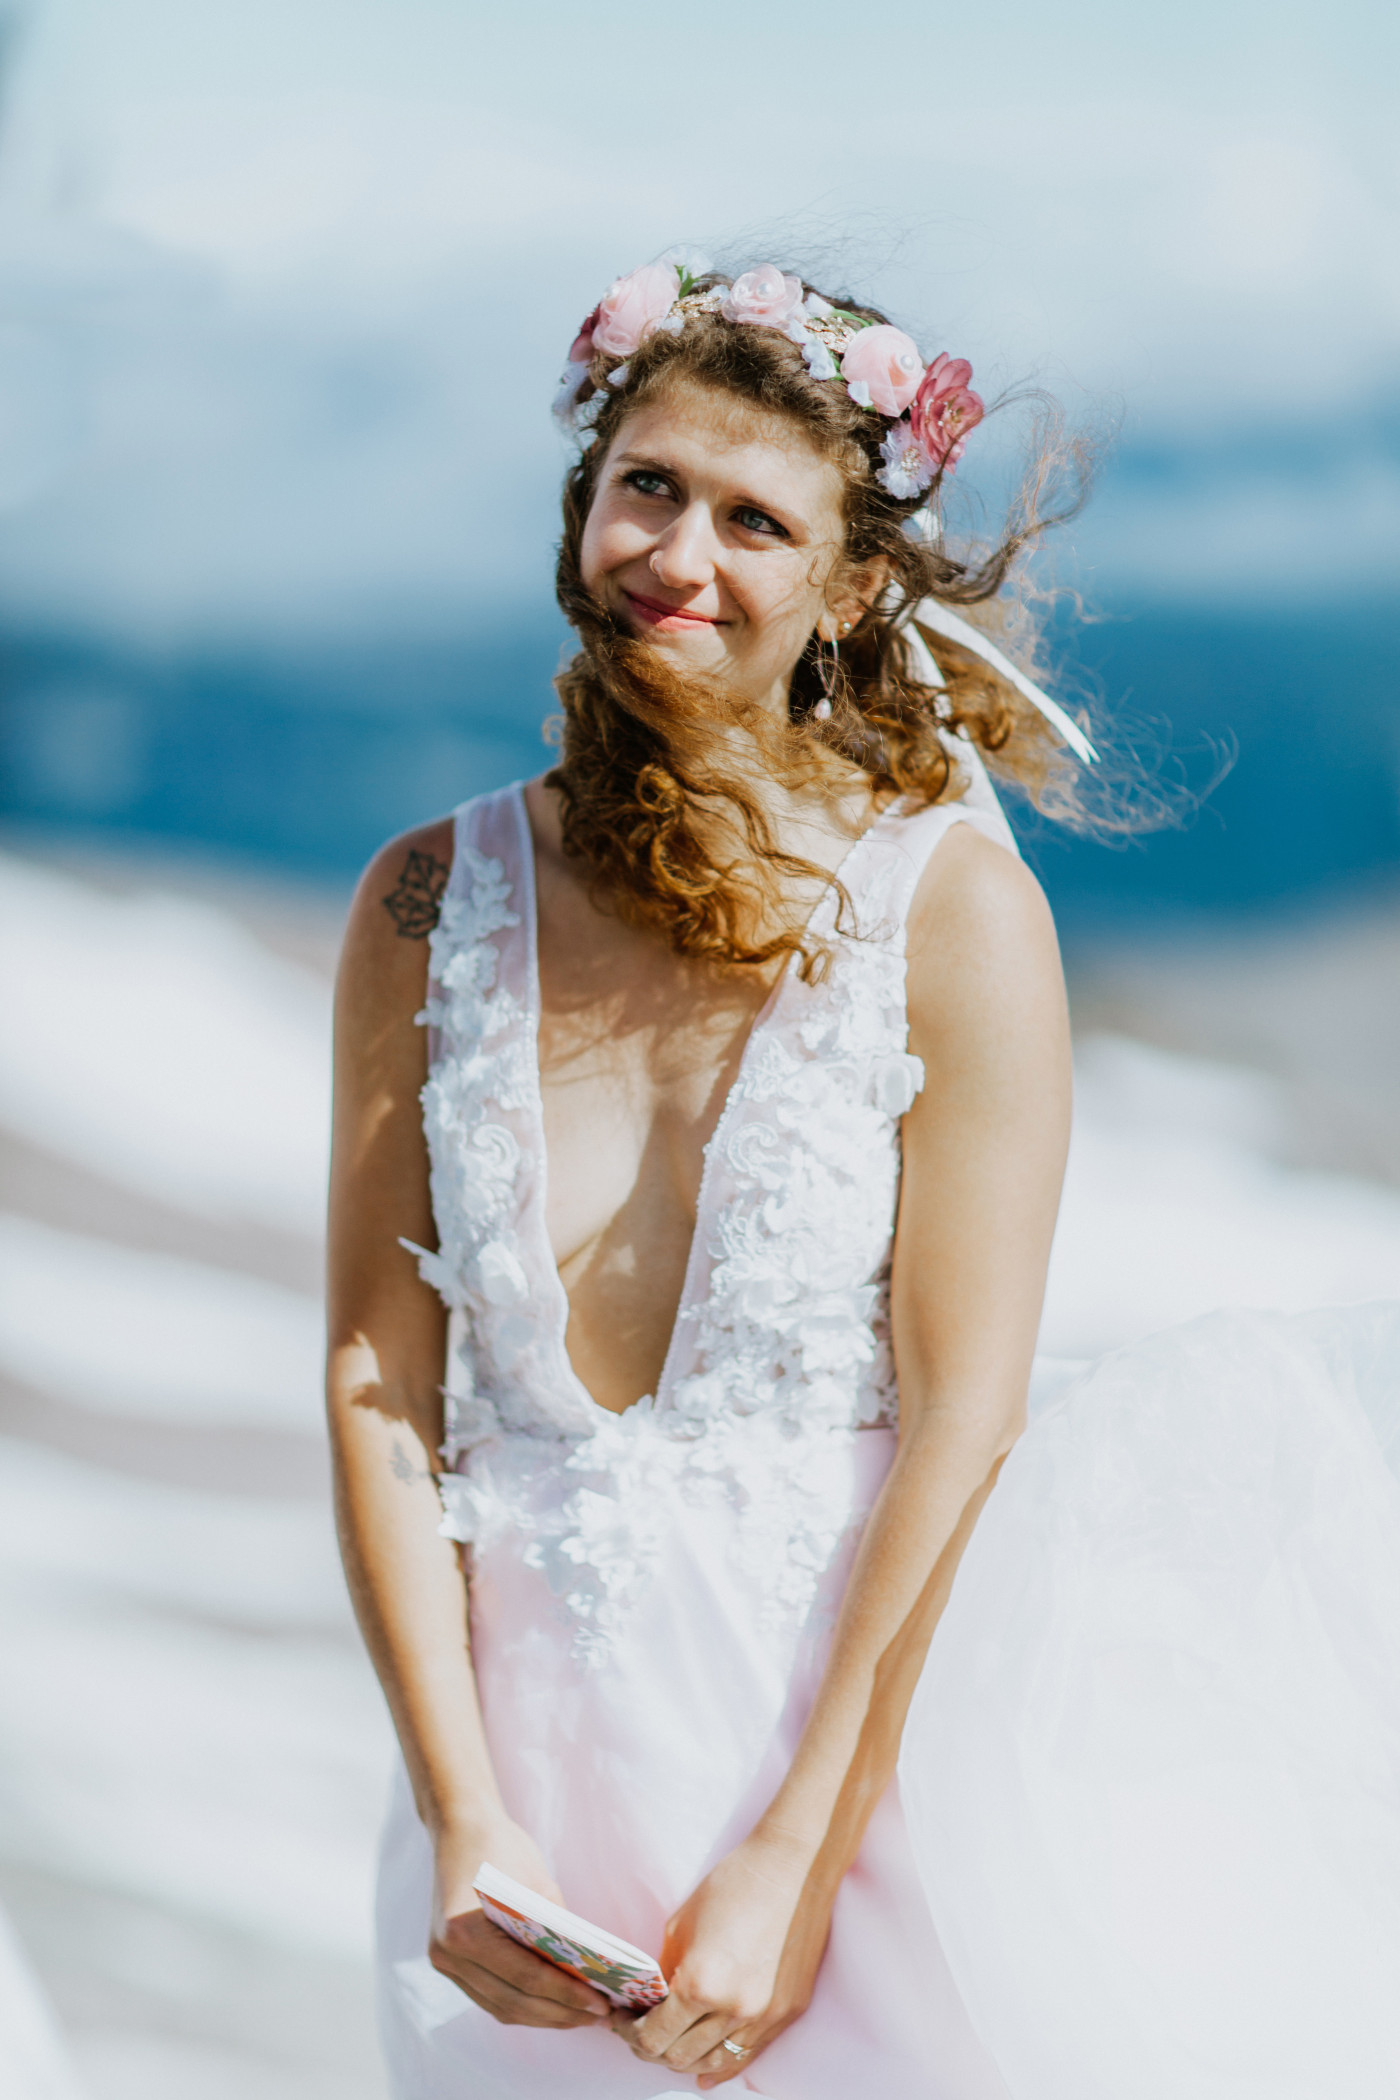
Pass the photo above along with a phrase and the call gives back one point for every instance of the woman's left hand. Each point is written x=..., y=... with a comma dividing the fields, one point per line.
x=741, y=1955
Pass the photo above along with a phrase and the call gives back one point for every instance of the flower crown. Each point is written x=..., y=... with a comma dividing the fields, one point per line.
x=930, y=409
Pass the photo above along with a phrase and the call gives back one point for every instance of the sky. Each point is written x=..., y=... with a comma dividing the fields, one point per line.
x=285, y=285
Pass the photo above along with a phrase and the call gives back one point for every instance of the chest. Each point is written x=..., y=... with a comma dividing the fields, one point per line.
x=741, y=1267
x=639, y=1050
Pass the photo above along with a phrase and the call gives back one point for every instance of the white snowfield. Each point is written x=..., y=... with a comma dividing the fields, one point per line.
x=231, y=1780
x=263, y=1565
x=188, y=1723
x=194, y=1066
x=152, y=1040
x=1174, y=1206
x=158, y=1338
x=33, y=2061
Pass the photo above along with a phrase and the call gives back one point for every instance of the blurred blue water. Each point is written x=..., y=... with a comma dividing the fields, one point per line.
x=303, y=758
x=1309, y=699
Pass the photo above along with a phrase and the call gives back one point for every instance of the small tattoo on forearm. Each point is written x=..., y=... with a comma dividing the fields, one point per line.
x=403, y=1468
x=415, y=902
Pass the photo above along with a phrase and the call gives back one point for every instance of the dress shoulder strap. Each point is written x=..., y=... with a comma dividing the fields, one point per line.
x=981, y=805
x=479, y=953
x=904, y=843
x=488, y=827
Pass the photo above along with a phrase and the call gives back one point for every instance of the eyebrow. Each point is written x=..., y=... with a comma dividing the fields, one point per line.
x=642, y=459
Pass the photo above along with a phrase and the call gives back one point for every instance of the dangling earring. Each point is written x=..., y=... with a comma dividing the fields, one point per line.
x=822, y=711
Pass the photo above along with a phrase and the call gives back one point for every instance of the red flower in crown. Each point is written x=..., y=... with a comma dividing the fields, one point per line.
x=944, y=410
x=581, y=348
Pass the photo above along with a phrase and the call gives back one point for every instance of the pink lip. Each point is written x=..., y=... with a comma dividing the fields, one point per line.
x=656, y=614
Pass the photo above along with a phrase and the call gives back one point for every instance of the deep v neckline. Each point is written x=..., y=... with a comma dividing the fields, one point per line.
x=698, y=1259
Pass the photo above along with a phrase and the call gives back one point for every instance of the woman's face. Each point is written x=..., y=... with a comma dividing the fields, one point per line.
x=715, y=533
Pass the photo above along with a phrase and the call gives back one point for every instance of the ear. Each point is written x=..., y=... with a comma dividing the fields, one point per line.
x=851, y=595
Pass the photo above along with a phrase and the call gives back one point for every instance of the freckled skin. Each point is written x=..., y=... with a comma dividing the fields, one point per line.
x=715, y=533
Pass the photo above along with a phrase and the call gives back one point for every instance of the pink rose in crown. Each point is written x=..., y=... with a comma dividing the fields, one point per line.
x=886, y=362
x=945, y=409
x=630, y=309
x=581, y=348
x=764, y=297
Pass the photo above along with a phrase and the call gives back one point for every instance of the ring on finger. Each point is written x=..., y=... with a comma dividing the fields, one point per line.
x=735, y=2048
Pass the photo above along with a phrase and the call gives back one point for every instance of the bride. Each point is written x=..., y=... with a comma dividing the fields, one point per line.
x=702, y=1106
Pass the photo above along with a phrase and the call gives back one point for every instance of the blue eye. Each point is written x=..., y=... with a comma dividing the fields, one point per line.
x=759, y=521
x=646, y=483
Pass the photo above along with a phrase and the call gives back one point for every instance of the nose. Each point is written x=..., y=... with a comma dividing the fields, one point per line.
x=684, y=556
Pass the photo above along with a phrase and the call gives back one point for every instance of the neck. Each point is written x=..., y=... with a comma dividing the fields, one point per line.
x=688, y=815
x=813, y=816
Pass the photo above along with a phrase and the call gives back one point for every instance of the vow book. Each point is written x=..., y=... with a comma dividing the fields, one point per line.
x=622, y=1973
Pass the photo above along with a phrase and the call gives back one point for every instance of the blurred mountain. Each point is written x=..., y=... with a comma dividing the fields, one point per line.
x=305, y=755
x=283, y=294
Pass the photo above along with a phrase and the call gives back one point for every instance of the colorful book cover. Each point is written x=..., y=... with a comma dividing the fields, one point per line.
x=621, y=1972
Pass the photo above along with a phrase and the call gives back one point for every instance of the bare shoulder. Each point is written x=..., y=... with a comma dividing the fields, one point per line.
x=395, y=907
x=402, y=887
x=982, y=944
x=379, y=1162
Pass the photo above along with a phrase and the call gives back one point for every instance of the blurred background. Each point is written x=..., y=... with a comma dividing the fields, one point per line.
x=284, y=291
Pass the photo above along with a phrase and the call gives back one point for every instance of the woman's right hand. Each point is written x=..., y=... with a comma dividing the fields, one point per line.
x=507, y=1980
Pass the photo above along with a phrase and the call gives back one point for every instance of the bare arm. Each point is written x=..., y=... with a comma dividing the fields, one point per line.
x=386, y=1349
x=984, y=1152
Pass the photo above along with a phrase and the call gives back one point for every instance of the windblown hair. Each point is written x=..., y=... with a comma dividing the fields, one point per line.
x=653, y=801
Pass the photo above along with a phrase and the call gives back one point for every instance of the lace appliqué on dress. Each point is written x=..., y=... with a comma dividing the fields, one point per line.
x=479, y=1083
x=782, y=1344
x=796, y=1315
x=597, y=1513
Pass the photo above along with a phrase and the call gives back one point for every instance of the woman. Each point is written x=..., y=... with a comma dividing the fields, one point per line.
x=756, y=975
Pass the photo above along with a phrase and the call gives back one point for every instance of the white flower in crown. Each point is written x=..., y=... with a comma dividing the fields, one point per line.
x=764, y=298
x=907, y=470
x=570, y=387
x=881, y=366
x=820, y=362
x=690, y=264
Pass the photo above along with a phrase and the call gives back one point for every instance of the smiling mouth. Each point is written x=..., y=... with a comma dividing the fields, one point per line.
x=655, y=614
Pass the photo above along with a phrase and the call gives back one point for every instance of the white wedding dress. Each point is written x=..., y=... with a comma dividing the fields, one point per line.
x=1147, y=1837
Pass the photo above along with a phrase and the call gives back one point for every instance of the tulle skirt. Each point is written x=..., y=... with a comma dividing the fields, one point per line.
x=636, y=1771
x=1146, y=1841
x=1152, y=1769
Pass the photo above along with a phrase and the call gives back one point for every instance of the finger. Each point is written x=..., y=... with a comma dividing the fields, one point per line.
x=516, y=2008
x=491, y=1966
x=698, y=2042
x=662, y=2027
x=488, y=1948
x=721, y=2064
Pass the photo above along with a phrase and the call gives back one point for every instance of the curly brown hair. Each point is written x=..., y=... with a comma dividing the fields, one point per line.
x=641, y=773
